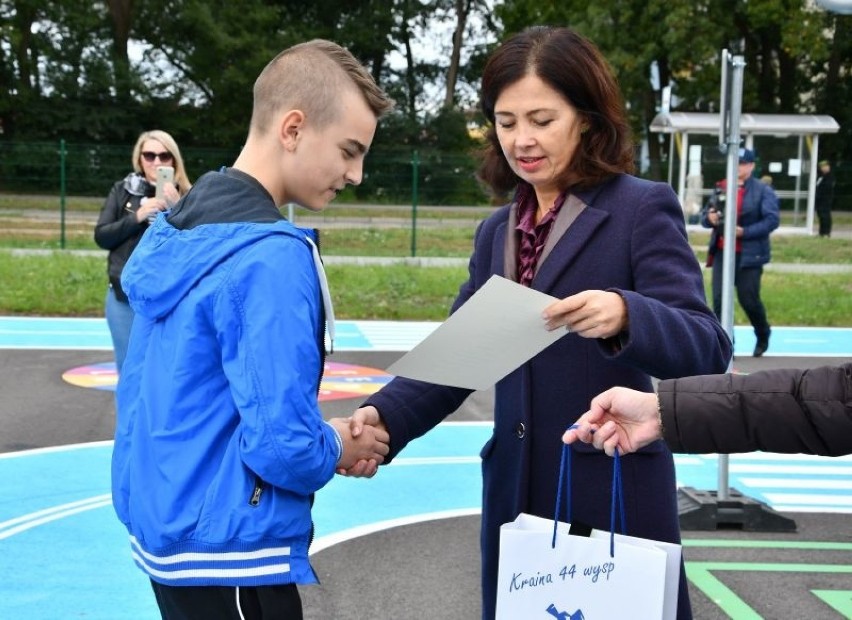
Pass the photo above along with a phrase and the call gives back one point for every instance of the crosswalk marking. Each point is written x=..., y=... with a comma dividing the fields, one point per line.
x=92, y=334
x=822, y=470
x=812, y=499
x=786, y=482
x=793, y=483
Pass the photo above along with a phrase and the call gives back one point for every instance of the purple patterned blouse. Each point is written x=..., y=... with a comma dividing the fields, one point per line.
x=532, y=236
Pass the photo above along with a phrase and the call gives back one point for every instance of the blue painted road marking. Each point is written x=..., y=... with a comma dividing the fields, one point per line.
x=58, y=499
x=64, y=554
x=86, y=334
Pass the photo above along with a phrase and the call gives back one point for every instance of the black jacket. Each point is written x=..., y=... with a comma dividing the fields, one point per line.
x=788, y=411
x=824, y=191
x=117, y=229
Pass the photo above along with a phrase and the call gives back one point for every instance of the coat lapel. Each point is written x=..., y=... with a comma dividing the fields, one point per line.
x=569, y=237
x=508, y=240
x=567, y=214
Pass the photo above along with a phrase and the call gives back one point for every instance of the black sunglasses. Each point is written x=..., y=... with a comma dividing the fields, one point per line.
x=151, y=156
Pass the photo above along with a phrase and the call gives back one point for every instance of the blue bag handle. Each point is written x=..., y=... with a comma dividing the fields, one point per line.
x=617, y=495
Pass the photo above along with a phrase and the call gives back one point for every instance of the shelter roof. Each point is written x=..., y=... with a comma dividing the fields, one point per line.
x=771, y=124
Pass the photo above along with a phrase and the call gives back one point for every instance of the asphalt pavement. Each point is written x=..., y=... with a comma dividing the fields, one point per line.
x=430, y=569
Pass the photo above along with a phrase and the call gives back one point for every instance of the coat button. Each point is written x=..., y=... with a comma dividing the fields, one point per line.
x=520, y=430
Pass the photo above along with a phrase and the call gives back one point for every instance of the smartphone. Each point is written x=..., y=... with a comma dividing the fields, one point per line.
x=165, y=174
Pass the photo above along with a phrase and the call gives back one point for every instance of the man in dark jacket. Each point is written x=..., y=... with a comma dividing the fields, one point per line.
x=757, y=216
x=788, y=411
x=824, y=197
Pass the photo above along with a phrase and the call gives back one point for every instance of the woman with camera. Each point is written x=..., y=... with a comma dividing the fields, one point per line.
x=132, y=204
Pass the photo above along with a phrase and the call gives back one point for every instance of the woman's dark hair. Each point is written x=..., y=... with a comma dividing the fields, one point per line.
x=572, y=65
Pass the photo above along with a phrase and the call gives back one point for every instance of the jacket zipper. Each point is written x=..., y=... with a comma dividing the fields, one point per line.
x=258, y=491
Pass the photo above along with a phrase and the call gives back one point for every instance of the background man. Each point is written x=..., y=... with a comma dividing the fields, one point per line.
x=757, y=216
x=824, y=197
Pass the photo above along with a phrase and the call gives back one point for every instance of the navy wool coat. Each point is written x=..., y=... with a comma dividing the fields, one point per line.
x=628, y=236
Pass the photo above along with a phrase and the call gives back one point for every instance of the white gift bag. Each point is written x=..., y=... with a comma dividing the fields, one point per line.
x=545, y=572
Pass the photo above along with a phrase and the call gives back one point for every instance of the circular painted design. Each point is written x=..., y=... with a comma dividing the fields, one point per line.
x=99, y=376
x=339, y=380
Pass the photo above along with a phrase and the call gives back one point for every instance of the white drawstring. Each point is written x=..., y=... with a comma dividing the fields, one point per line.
x=239, y=609
x=326, y=294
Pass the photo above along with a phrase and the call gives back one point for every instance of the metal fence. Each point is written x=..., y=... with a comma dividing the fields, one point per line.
x=390, y=177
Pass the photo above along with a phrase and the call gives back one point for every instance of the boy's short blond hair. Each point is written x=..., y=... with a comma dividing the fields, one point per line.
x=310, y=77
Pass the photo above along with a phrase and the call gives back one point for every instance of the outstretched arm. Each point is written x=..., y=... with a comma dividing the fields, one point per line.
x=618, y=418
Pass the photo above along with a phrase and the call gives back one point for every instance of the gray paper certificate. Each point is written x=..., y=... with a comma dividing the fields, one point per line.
x=495, y=331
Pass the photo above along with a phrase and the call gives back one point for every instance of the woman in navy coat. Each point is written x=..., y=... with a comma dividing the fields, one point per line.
x=613, y=249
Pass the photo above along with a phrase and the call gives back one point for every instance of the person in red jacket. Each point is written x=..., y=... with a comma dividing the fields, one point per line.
x=788, y=411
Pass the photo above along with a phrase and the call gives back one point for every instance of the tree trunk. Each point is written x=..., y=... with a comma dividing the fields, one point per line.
x=24, y=17
x=410, y=76
x=462, y=12
x=121, y=13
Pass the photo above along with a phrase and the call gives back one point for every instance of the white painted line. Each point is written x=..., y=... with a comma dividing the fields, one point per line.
x=437, y=460
x=48, y=515
x=774, y=456
x=817, y=470
x=805, y=508
x=324, y=542
x=796, y=483
x=690, y=461
x=49, y=449
x=812, y=499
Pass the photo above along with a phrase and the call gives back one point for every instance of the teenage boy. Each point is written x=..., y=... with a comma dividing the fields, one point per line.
x=220, y=443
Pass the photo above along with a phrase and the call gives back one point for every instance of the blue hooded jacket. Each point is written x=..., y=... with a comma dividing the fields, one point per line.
x=219, y=441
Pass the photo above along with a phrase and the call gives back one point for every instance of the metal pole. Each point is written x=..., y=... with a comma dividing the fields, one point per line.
x=812, y=177
x=62, y=194
x=730, y=231
x=798, y=185
x=683, y=160
x=415, y=164
x=671, y=155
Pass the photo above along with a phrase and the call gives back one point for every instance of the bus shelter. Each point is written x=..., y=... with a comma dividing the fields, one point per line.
x=788, y=149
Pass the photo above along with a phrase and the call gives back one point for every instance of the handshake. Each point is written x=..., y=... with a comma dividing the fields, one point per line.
x=366, y=443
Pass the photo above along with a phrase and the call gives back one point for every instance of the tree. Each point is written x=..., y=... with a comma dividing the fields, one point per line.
x=120, y=12
x=784, y=43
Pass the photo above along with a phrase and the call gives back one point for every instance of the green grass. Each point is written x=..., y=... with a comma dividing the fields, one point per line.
x=26, y=202
x=794, y=248
x=64, y=284
x=398, y=292
x=450, y=242
x=58, y=284
x=801, y=299
x=445, y=241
